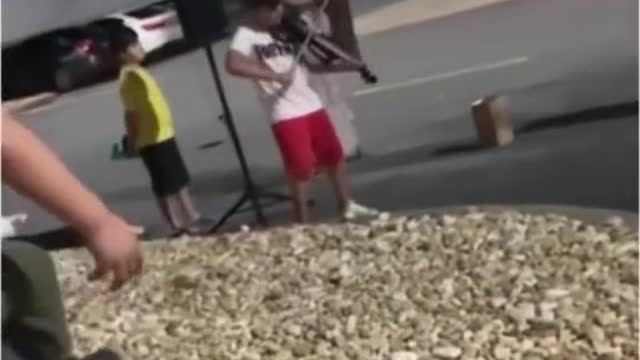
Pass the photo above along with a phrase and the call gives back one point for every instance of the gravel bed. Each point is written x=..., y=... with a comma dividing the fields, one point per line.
x=476, y=285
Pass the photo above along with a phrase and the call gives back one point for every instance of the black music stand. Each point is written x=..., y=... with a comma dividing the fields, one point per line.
x=251, y=193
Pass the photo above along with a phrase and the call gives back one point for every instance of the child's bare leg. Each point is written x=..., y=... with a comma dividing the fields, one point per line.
x=164, y=209
x=188, y=207
x=299, y=198
x=169, y=211
x=338, y=177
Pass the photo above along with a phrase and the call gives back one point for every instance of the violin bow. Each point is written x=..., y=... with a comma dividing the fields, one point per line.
x=306, y=41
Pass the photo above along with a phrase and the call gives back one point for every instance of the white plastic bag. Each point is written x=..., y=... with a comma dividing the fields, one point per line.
x=8, y=224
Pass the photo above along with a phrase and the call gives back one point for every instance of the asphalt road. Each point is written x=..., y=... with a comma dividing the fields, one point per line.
x=569, y=66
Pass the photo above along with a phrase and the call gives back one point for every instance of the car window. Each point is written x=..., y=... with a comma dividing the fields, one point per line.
x=70, y=33
x=104, y=26
x=107, y=23
x=151, y=10
x=44, y=45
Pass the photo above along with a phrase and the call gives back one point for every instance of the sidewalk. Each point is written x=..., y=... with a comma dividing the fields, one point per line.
x=410, y=12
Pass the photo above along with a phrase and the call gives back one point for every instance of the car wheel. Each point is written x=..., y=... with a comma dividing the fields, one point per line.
x=63, y=79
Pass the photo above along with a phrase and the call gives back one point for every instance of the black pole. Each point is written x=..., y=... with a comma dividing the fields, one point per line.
x=250, y=187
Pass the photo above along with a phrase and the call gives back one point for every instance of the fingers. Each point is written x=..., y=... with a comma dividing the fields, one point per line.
x=122, y=271
x=120, y=276
x=139, y=262
x=127, y=269
x=100, y=271
x=135, y=263
x=120, y=259
x=135, y=259
x=135, y=266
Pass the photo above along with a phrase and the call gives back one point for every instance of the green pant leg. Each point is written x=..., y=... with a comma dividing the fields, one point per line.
x=9, y=354
x=35, y=316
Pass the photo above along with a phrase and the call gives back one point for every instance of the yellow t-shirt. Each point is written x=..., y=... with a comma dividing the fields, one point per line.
x=141, y=95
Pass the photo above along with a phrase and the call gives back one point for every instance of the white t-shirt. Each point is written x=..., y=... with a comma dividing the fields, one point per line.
x=300, y=99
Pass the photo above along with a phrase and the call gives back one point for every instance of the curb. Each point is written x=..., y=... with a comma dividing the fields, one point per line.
x=585, y=214
x=588, y=215
x=31, y=102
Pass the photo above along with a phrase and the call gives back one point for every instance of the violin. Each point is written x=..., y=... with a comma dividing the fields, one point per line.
x=293, y=29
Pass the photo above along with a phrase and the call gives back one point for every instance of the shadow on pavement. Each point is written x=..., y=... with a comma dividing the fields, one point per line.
x=415, y=155
x=51, y=240
x=211, y=145
x=458, y=149
x=229, y=182
x=601, y=113
x=431, y=152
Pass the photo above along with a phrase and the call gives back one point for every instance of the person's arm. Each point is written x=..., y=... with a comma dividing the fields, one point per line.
x=239, y=62
x=240, y=65
x=32, y=169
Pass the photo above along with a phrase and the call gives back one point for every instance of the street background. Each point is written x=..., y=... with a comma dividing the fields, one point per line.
x=568, y=67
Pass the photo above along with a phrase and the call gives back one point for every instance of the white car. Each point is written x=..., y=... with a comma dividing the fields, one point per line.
x=156, y=25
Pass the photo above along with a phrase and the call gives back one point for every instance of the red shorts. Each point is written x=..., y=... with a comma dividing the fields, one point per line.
x=307, y=143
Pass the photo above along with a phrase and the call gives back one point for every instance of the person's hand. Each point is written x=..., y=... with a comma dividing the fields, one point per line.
x=128, y=147
x=115, y=248
x=285, y=79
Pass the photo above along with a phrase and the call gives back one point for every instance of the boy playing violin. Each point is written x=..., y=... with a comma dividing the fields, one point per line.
x=304, y=134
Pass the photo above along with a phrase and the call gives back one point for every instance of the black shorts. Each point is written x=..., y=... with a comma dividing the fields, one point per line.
x=165, y=166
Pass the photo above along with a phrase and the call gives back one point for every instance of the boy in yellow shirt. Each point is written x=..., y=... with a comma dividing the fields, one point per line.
x=150, y=132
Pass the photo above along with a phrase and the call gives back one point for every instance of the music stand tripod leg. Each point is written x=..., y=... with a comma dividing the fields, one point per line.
x=230, y=212
x=250, y=193
x=279, y=197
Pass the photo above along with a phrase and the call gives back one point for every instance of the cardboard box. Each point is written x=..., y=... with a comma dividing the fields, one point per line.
x=492, y=121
